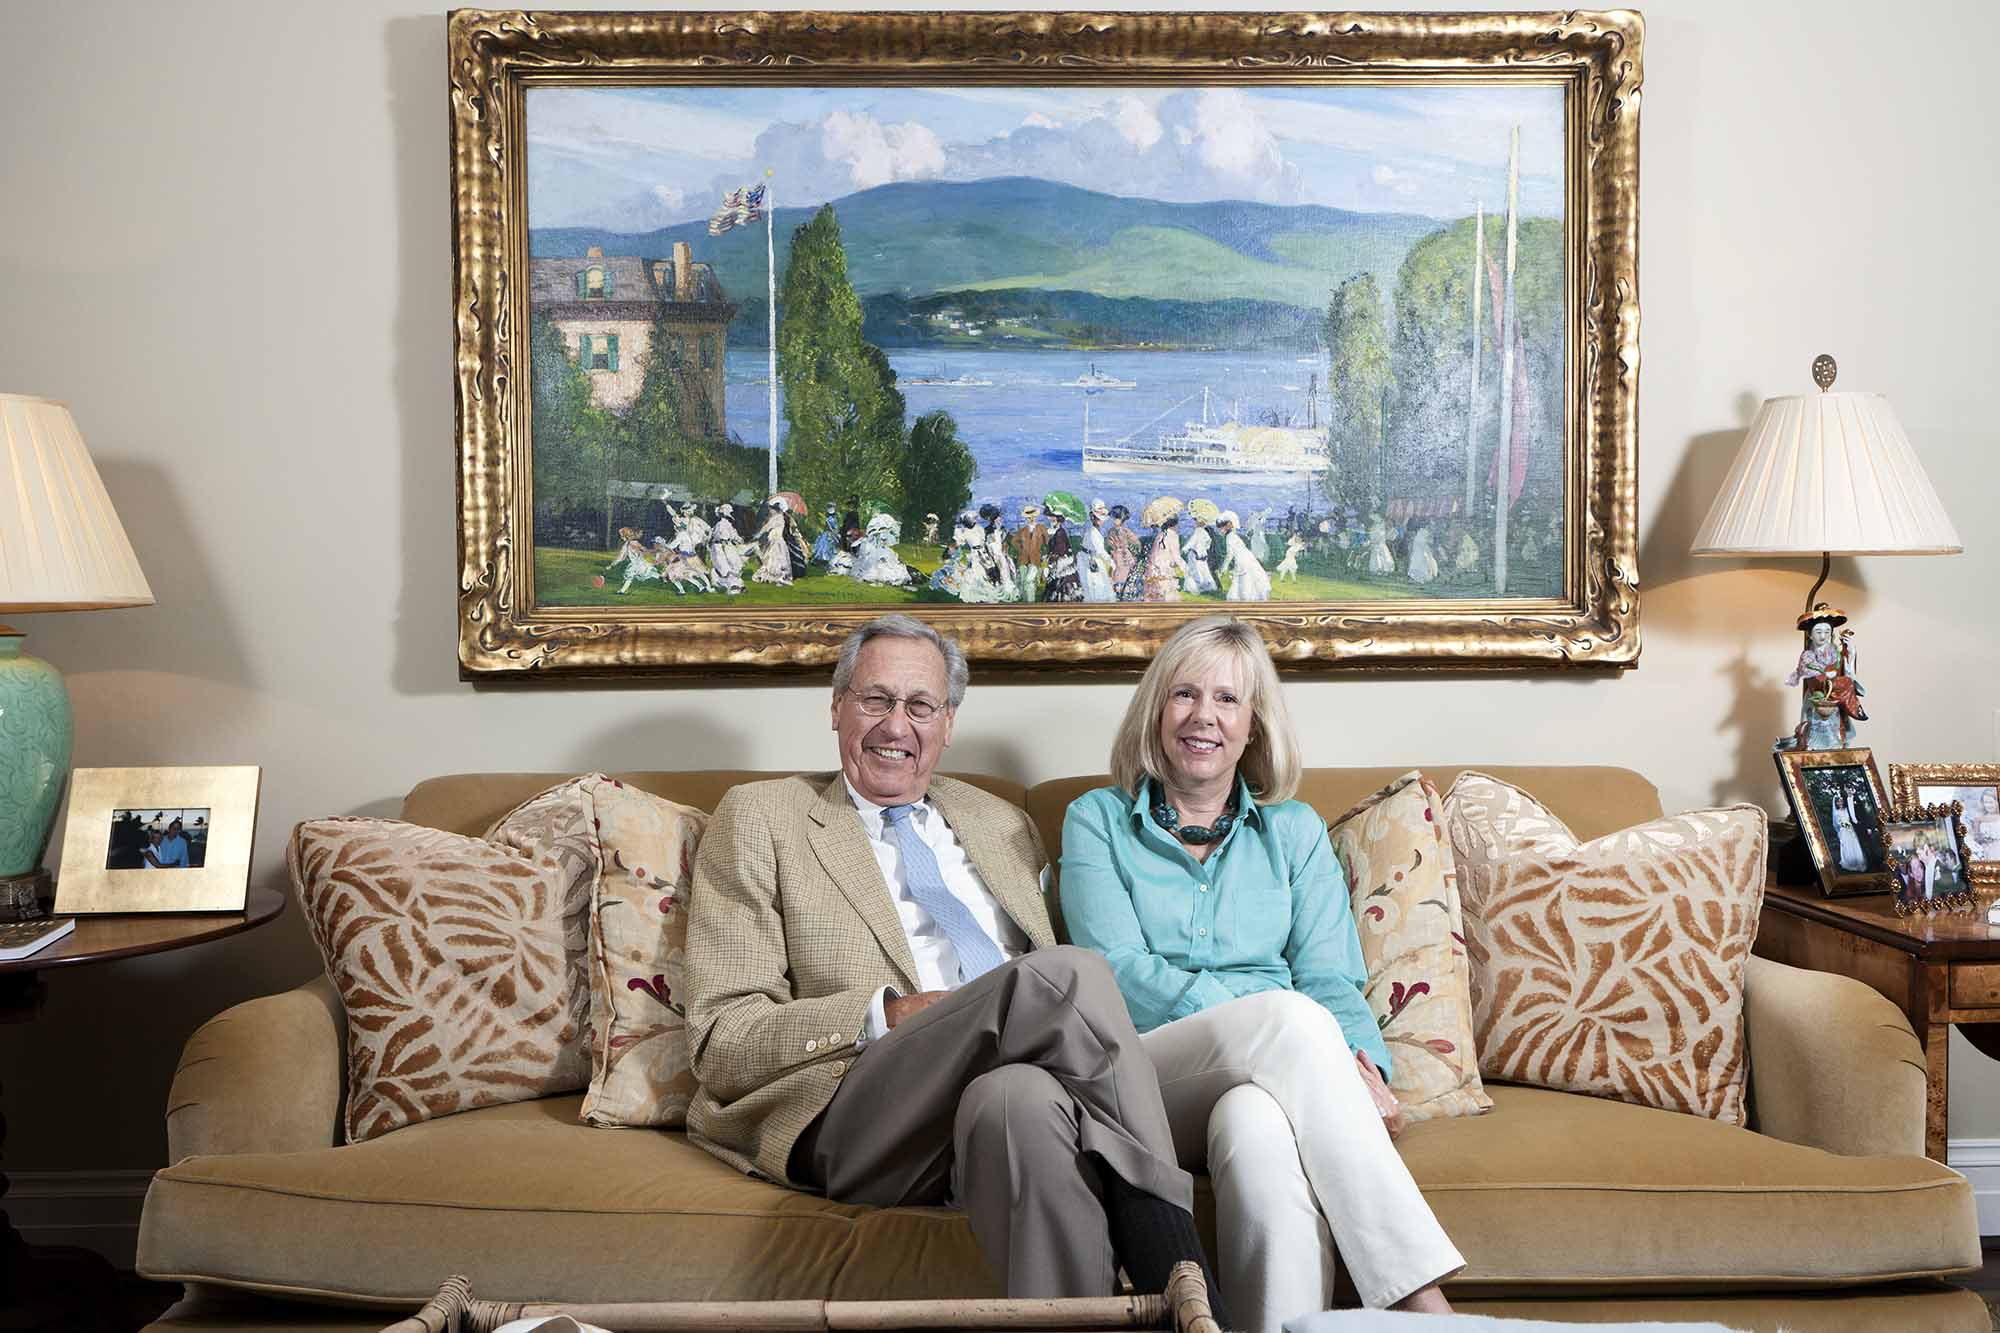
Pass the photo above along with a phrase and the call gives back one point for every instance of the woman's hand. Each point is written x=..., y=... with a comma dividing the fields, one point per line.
x=1386, y=1104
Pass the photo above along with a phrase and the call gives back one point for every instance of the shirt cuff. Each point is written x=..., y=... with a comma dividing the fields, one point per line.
x=876, y=1025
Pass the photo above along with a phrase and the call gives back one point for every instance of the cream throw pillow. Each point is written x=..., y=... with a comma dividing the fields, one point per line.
x=1612, y=967
x=1405, y=894
x=641, y=849
x=459, y=963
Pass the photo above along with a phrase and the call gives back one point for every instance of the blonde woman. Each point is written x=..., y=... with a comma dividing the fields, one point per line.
x=1219, y=904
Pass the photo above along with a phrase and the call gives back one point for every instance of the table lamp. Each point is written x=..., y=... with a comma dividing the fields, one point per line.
x=61, y=549
x=1826, y=474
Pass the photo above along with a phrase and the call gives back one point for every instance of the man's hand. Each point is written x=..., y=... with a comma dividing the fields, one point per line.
x=1386, y=1104
x=901, y=1007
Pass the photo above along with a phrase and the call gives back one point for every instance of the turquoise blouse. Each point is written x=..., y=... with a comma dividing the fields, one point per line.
x=1267, y=910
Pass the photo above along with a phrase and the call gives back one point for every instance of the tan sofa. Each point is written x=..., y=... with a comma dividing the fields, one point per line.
x=1825, y=1216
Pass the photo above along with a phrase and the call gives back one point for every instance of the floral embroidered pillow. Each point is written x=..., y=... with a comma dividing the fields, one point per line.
x=1405, y=895
x=459, y=962
x=1612, y=967
x=643, y=849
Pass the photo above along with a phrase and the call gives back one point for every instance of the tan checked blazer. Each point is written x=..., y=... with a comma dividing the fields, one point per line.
x=791, y=931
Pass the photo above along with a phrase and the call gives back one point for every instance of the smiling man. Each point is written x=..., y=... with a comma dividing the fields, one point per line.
x=878, y=1010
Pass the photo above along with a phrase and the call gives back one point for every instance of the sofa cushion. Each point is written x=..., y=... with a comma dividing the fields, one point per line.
x=1559, y=1193
x=1615, y=966
x=642, y=850
x=1548, y=1192
x=459, y=963
x=1406, y=912
x=577, y=1214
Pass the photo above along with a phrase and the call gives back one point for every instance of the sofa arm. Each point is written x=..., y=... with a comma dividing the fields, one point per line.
x=1833, y=1064
x=263, y=1076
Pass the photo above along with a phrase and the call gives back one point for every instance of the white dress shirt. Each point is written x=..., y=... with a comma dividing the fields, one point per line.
x=936, y=956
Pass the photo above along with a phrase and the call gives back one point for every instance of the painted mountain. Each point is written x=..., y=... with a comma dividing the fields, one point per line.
x=1021, y=261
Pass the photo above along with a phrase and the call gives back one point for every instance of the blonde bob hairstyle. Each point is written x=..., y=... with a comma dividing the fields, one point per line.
x=1270, y=762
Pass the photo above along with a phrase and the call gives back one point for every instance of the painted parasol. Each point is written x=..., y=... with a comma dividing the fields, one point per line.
x=1204, y=511
x=1064, y=503
x=1160, y=510
x=793, y=501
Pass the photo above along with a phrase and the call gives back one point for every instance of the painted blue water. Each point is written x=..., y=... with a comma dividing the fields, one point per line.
x=1026, y=430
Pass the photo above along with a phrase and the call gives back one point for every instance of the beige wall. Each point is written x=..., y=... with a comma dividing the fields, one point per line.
x=224, y=239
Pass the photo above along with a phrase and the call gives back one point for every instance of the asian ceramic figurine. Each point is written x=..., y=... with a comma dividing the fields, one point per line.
x=1829, y=695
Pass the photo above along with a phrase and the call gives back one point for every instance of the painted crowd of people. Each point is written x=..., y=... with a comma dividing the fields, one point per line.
x=1057, y=550
x=761, y=545
x=1105, y=559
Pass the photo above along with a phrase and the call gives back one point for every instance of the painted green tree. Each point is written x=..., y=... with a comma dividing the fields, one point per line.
x=575, y=442
x=936, y=471
x=843, y=415
x=1357, y=340
x=1432, y=357
x=658, y=447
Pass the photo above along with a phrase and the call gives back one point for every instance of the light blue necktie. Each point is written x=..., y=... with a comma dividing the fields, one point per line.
x=977, y=954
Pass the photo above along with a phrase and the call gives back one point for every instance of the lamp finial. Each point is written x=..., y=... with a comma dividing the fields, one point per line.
x=1824, y=371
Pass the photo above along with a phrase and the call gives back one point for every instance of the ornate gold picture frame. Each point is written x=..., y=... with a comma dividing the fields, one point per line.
x=1332, y=490
x=1840, y=804
x=1974, y=786
x=158, y=840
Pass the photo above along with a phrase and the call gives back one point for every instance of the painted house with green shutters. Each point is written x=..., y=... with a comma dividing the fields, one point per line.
x=605, y=307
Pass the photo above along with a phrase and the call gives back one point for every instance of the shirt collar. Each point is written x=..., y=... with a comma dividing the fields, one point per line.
x=1142, y=807
x=871, y=813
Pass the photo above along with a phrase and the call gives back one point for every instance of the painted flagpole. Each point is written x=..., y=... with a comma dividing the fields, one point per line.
x=771, y=307
x=1503, y=469
x=1472, y=404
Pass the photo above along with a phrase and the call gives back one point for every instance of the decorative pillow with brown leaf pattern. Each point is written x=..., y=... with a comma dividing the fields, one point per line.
x=1612, y=967
x=642, y=848
x=1401, y=879
x=459, y=962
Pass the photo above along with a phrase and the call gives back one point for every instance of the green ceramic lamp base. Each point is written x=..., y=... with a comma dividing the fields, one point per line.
x=35, y=738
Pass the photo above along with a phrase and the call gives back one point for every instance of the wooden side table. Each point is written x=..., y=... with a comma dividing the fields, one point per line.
x=1939, y=970
x=62, y=1286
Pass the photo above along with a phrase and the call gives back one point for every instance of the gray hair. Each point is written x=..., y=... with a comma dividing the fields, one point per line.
x=956, y=673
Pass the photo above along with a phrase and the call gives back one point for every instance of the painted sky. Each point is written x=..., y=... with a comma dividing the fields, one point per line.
x=633, y=160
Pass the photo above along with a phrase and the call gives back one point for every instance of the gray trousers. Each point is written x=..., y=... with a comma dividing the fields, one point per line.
x=999, y=1097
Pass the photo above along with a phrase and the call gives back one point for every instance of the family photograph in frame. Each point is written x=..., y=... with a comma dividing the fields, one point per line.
x=1976, y=788
x=1841, y=806
x=158, y=840
x=1924, y=849
x=1053, y=332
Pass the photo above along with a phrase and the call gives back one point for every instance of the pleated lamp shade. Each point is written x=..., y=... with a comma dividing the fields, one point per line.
x=62, y=547
x=1827, y=473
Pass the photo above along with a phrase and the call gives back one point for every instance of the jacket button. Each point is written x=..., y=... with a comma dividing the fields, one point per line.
x=811, y=1045
x=835, y=1039
x=838, y=1067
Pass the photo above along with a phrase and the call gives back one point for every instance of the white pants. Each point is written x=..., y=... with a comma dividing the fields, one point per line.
x=1265, y=1090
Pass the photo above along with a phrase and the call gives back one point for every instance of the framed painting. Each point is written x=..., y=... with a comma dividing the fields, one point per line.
x=1054, y=329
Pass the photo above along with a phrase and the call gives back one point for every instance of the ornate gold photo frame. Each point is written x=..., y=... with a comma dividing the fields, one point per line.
x=157, y=840
x=1054, y=329
x=1976, y=787
x=1840, y=804
x=1929, y=868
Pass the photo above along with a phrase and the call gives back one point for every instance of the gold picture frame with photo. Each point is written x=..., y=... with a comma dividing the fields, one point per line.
x=1841, y=805
x=158, y=840
x=1974, y=786
x=1929, y=869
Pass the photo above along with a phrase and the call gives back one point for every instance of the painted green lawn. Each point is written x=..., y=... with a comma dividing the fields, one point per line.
x=562, y=578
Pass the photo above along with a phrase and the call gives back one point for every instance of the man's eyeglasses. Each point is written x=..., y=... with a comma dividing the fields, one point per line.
x=917, y=708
